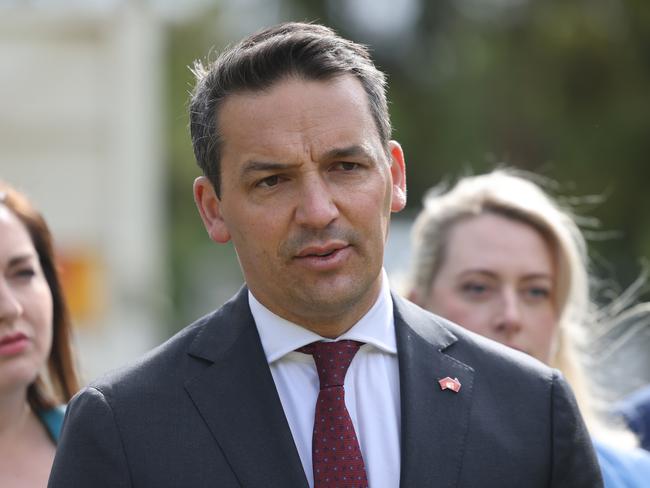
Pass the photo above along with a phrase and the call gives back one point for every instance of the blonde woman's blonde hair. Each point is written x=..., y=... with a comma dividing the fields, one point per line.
x=515, y=195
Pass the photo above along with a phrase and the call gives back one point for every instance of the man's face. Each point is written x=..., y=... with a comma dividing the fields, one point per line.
x=306, y=195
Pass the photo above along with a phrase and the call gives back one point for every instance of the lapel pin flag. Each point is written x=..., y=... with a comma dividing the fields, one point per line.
x=450, y=384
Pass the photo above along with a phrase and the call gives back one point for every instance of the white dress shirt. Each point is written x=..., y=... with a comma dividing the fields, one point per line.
x=371, y=384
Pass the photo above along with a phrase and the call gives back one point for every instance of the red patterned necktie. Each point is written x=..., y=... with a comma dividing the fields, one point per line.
x=336, y=455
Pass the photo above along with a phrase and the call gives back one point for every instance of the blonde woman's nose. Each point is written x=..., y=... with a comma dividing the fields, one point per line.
x=509, y=317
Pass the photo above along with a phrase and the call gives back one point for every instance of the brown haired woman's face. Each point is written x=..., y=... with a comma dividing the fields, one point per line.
x=498, y=279
x=25, y=307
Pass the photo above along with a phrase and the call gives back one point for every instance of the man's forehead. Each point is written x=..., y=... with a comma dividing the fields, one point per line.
x=320, y=118
x=297, y=99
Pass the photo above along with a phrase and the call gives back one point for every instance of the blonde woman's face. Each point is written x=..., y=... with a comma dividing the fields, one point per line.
x=498, y=279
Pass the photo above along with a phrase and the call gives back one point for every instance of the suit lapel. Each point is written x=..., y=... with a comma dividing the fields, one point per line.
x=434, y=421
x=237, y=398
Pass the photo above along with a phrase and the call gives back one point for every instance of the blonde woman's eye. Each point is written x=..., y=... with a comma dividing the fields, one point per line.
x=474, y=288
x=539, y=293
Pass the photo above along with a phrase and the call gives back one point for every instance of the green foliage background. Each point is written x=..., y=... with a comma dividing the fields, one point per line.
x=558, y=87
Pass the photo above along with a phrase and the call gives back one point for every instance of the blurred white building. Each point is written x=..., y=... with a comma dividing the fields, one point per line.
x=80, y=133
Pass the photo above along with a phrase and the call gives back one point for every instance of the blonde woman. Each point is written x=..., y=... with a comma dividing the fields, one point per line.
x=498, y=256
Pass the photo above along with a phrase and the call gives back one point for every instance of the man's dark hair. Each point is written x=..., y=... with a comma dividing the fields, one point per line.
x=308, y=51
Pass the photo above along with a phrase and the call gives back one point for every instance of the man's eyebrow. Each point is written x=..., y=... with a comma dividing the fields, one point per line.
x=253, y=166
x=354, y=150
x=347, y=152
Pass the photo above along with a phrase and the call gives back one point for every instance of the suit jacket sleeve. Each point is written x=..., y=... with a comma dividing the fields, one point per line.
x=574, y=460
x=90, y=450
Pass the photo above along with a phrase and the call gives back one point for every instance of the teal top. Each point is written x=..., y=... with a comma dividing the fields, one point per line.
x=53, y=420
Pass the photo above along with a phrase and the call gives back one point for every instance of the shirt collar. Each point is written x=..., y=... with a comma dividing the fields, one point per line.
x=280, y=337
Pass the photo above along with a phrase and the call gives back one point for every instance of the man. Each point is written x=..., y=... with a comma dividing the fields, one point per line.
x=291, y=130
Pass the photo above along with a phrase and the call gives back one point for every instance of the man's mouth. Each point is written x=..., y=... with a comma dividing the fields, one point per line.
x=324, y=258
x=321, y=251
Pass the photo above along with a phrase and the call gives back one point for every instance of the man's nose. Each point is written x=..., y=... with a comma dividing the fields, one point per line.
x=316, y=207
x=509, y=318
x=10, y=306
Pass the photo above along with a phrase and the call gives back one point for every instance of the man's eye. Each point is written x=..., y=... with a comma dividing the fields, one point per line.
x=269, y=181
x=346, y=166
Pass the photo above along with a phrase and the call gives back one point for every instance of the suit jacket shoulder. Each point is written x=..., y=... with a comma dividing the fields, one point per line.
x=513, y=422
x=200, y=410
x=206, y=339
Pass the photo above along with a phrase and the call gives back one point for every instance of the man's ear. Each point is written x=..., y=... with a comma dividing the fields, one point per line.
x=209, y=206
x=398, y=173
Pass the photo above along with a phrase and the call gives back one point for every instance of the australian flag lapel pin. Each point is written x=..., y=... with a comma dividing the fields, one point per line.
x=448, y=383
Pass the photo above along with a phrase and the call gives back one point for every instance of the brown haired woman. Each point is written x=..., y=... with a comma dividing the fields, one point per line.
x=37, y=372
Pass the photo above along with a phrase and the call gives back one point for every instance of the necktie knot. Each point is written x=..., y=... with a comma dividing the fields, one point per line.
x=332, y=360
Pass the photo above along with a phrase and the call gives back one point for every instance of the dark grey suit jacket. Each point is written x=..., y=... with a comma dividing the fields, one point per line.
x=202, y=411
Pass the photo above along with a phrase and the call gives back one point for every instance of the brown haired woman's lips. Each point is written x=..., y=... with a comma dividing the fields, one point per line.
x=13, y=343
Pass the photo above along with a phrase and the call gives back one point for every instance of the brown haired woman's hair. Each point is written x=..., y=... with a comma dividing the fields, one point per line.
x=61, y=381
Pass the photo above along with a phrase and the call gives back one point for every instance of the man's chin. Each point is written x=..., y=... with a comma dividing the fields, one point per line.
x=338, y=297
